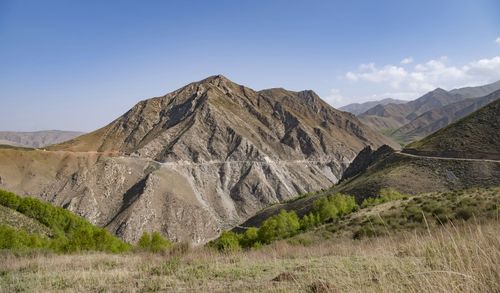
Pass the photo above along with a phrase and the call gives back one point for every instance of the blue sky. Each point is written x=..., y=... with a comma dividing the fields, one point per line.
x=77, y=65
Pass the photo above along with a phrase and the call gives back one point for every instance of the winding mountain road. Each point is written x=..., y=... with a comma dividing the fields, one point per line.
x=446, y=158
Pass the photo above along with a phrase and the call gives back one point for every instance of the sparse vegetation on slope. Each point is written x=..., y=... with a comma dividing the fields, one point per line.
x=394, y=212
x=68, y=232
x=389, y=212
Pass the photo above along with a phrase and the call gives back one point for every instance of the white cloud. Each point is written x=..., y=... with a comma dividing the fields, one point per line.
x=497, y=41
x=369, y=72
x=407, y=60
x=427, y=76
x=335, y=97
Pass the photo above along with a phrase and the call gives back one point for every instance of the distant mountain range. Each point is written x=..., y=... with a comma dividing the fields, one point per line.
x=36, y=139
x=358, y=108
x=410, y=121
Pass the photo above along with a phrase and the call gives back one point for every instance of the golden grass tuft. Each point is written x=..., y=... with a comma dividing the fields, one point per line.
x=451, y=258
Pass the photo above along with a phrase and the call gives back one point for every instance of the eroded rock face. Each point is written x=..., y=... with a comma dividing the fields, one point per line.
x=365, y=158
x=196, y=161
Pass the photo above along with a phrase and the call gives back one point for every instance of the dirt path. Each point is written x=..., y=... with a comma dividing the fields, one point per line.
x=446, y=158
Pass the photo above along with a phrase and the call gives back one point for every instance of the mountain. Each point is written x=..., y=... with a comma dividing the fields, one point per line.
x=475, y=136
x=195, y=161
x=392, y=116
x=358, y=108
x=416, y=119
x=36, y=139
x=477, y=91
x=436, y=119
x=435, y=162
x=465, y=154
x=218, y=119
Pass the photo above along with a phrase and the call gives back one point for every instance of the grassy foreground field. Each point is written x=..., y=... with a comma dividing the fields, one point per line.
x=463, y=258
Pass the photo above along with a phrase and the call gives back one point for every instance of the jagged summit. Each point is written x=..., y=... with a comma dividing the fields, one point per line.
x=216, y=77
x=217, y=119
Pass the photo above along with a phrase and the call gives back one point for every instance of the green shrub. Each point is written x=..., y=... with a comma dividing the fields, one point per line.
x=144, y=241
x=325, y=209
x=334, y=206
x=158, y=243
x=441, y=214
x=250, y=236
x=301, y=240
x=464, y=213
x=228, y=241
x=309, y=221
x=153, y=243
x=282, y=225
x=9, y=199
x=385, y=195
x=368, y=231
x=13, y=239
x=414, y=214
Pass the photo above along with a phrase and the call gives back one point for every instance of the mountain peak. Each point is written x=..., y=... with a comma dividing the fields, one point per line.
x=215, y=79
x=439, y=90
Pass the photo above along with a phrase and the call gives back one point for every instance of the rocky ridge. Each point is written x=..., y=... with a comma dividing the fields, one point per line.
x=195, y=161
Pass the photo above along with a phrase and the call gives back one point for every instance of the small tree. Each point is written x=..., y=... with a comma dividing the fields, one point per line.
x=159, y=243
x=144, y=241
x=228, y=241
x=267, y=231
x=249, y=237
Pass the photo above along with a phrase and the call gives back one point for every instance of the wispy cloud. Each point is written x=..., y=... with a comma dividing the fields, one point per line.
x=407, y=60
x=497, y=41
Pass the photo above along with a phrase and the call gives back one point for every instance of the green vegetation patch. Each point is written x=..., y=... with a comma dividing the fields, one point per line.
x=68, y=232
x=287, y=224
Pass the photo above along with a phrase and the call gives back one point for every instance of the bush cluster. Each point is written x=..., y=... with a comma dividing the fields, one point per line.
x=386, y=194
x=287, y=224
x=153, y=242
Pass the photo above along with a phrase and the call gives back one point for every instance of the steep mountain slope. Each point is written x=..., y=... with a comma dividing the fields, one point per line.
x=36, y=139
x=358, y=108
x=436, y=119
x=475, y=136
x=194, y=161
x=465, y=154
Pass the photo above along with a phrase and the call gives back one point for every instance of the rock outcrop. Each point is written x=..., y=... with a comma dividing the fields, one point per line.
x=365, y=159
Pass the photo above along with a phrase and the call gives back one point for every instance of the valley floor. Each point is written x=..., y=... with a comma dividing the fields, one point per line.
x=447, y=259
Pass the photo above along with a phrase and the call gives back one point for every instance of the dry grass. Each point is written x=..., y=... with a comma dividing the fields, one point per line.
x=449, y=259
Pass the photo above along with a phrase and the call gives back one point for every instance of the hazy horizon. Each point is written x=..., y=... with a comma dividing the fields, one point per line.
x=78, y=66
